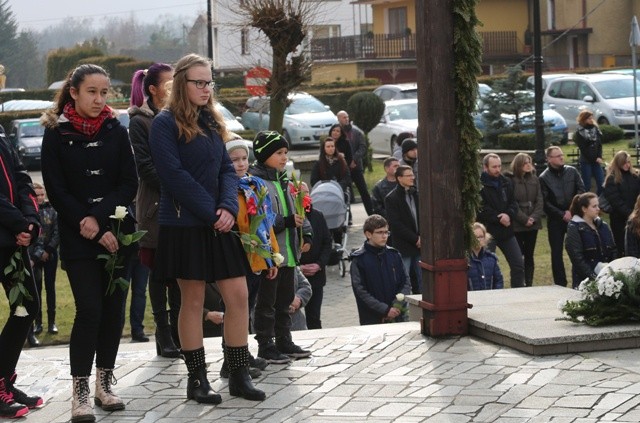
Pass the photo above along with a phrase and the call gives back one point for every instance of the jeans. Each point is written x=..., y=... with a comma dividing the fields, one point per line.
x=272, y=316
x=138, y=275
x=97, y=326
x=357, y=176
x=411, y=266
x=513, y=255
x=527, y=242
x=592, y=169
x=49, y=268
x=15, y=330
x=557, y=229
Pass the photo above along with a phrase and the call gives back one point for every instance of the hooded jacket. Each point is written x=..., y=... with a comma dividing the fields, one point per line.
x=587, y=247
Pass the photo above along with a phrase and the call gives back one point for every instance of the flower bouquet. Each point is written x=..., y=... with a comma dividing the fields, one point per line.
x=612, y=297
x=16, y=272
x=115, y=260
x=257, y=240
x=301, y=200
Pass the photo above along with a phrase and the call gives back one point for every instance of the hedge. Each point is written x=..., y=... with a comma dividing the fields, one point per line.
x=611, y=133
x=7, y=117
x=517, y=141
x=61, y=61
x=110, y=63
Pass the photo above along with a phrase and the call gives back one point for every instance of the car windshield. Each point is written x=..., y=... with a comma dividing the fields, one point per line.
x=615, y=88
x=403, y=111
x=305, y=105
x=32, y=129
x=410, y=93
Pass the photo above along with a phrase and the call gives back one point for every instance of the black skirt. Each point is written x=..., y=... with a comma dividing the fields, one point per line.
x=198, y=253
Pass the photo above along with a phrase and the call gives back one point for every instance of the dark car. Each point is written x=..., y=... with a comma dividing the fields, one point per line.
x=26, y=136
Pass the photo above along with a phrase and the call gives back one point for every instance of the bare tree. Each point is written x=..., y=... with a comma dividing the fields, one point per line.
x=285, y=24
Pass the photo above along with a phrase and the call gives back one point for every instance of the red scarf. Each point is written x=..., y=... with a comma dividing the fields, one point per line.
x=86, y=126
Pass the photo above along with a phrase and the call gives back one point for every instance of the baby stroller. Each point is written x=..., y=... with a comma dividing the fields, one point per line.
x=329, y=198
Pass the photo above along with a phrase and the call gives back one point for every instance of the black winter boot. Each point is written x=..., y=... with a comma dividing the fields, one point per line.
x=240, y=384
x=198, y=387
x=165, y=346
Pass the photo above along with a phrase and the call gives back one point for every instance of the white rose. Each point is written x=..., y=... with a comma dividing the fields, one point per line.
x=278, y=259
x=400, y=297
x=120, y=213
x=21, y=311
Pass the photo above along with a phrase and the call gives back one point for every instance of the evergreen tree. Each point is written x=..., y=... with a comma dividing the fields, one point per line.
x=8, y=36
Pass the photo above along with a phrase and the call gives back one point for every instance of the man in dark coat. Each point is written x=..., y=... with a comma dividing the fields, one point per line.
x=559, y=183
x=498, y=211
x=314, y=262
x=403, y=216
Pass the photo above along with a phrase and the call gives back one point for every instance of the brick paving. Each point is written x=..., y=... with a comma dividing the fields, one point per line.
x=378, y=373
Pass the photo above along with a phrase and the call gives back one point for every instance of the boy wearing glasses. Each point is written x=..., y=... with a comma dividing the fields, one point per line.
x=378, y=275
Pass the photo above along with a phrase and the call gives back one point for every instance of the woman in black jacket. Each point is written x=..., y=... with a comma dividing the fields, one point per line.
x=342, y=143
x=588, y=138
x=89, y=172
x=19, y=227
x=331, y=166
x=589, y=241
x=632, y=232
x=621, y=189
x=148, y=95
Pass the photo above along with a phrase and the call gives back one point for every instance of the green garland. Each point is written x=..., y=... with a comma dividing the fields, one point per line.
x=467, y=48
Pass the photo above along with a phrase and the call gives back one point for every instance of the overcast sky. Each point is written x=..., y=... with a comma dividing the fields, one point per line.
x=39, y=14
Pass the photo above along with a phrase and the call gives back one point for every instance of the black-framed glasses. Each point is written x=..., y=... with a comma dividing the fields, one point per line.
x=387, y=233
x=201, y=83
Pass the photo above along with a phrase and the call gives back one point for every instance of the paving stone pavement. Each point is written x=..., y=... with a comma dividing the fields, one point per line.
x=379, y=373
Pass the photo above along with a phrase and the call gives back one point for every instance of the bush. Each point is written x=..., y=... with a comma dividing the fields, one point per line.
x=124, y=70
x=611, y=133
x=61, y=61
x=517, y=141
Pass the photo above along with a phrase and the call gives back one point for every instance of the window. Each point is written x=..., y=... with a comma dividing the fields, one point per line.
x=325, y=31
x=244, y=41
x=397, y=20
x=584, y=90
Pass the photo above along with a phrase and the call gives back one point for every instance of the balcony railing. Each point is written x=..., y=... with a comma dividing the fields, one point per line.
x=394, y=46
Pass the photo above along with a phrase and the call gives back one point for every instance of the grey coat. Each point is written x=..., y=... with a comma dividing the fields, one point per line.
x=528, y=195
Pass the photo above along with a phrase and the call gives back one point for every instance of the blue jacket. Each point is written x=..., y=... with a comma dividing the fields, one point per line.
x=484, y=272
x=197, y=177
x=377, y=275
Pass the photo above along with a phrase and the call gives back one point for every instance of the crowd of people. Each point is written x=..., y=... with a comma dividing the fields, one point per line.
x=233, y=248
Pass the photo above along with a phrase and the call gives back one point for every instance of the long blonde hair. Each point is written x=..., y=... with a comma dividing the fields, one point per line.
x=517, y=165
x=615, y=167
x=184, y=111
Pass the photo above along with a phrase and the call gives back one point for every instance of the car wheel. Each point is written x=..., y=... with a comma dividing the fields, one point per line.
x=603, y=121
x=392, y=143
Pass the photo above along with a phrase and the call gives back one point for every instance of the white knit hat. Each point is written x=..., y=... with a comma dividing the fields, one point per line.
x=235, y=144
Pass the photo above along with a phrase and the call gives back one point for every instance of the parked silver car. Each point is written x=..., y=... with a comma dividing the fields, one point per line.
x=608, y=96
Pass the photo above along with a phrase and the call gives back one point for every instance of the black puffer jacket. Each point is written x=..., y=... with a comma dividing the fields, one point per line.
x=18, y=205
x=622, y=196
x=497, y=198
x=587, y=247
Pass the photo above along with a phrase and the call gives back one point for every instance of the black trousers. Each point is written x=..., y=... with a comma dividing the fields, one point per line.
x=271, y=316
x=97, y=327
x=312, y=309
x=527, y=242
x=557, y=229
x=15, y=330
x=618, y=225
x=49, y=268
x=357, y=176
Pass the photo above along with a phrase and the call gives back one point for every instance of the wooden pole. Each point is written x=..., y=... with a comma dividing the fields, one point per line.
x=444, y=296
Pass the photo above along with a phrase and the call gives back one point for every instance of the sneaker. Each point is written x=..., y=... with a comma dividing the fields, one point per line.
x=270, y=354
x=257, y=362
x=292, y=350
x=20, y=397
x=8, y=407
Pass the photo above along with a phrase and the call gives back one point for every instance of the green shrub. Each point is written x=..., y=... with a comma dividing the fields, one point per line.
x=61, y=61
x=124, y=70
x=109, y=63
x=517, y=141
x=611, y=133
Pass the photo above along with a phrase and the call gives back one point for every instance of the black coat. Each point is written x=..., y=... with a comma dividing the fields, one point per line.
x=87, y=177
x=18, y=205
x=497, y=200
x=320, y=248
x=337, y=171
x=559, y=186
x=589, y=141
x=403, y=228
x=622, y=196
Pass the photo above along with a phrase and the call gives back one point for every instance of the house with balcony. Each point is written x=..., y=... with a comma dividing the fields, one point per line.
x=238, y=47
x=586, y=33
x=387, y=52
